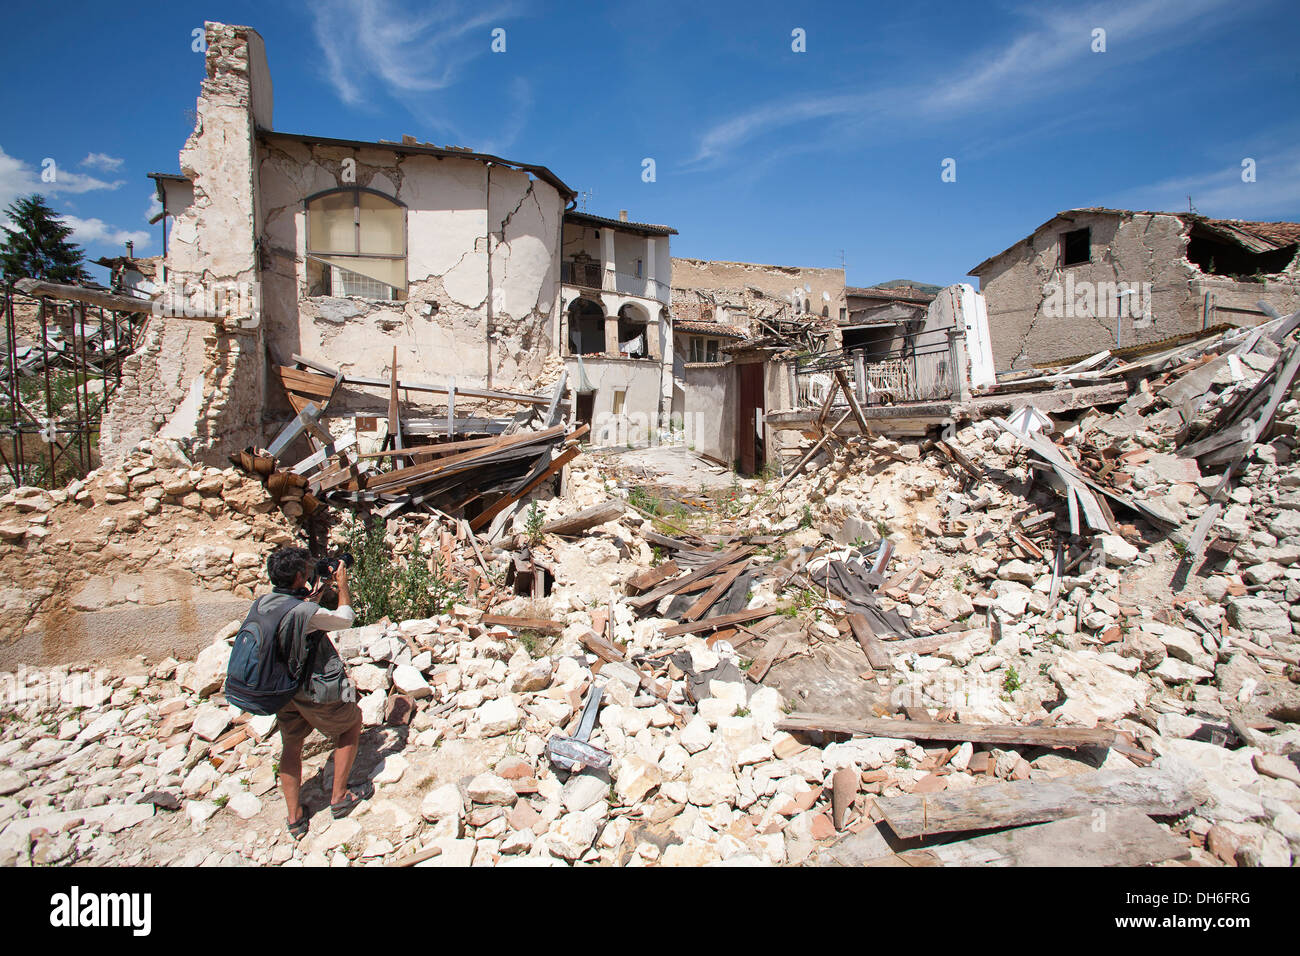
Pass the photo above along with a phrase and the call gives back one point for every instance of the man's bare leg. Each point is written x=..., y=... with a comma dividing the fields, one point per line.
x=345, y=752
x=291, y=778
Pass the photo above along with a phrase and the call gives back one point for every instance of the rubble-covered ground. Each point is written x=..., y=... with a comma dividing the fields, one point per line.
x=142, y=763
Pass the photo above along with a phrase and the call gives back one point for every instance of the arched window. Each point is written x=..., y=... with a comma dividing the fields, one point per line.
x=356, y=244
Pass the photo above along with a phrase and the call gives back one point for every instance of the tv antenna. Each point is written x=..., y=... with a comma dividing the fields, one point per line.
x=586, y=194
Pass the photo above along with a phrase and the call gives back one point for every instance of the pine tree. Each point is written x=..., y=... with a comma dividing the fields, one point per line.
x=37, y=246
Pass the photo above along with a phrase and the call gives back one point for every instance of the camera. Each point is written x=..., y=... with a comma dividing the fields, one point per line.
x=327, y=566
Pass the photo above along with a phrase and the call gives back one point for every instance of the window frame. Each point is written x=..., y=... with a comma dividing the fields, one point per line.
x=703, y=342
x=356, y=192
x=1065, y=240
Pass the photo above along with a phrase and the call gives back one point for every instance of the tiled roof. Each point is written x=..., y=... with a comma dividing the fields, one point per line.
x=1254, y=236
x=902, y=293
x=646, y=227
x=709, y=328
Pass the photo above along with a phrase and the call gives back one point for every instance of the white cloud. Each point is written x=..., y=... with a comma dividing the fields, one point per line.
x=1036, y=62
x=403, y=50
x=87, y=231
x=509, y=127
x=109, y=164
x=155, y=207
x=1220, y=193
x=19, y=178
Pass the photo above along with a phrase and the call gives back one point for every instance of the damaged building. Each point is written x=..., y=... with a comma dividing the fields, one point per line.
x=1094, y=279
x=462, y=268
x=617, y=331
x=724, y=312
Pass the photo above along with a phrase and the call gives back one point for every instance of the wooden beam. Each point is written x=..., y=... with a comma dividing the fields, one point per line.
x=586, y=518
x=708, y=624
x=854, y=407
x=877, y=656
x=813, y=451
x=105, y=300
x=394, y=412
x=1150, y=791
x=463, y=392
x=541, y=624
x=506, y=501
x=1055, y=737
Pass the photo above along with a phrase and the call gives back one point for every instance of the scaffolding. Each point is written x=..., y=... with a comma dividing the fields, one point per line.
x=62, y=363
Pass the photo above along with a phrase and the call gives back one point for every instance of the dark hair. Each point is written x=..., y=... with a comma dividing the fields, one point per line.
x=285, y=564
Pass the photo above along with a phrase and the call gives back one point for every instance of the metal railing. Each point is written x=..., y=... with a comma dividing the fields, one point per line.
x=914, y=372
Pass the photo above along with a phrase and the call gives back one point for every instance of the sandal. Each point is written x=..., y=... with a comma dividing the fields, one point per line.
x=345, y=806
x=298, y=830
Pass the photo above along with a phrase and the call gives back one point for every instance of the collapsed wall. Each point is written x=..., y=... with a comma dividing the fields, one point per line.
x=1042, y=311
x=197, y=379
x=147, y=556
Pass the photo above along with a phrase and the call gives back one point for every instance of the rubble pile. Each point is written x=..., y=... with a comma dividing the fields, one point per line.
x=154, y=512
x=1002, y=629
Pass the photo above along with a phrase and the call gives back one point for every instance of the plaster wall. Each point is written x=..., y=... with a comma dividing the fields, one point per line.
x=642, y=382
x=710, y=411
x=482, y=268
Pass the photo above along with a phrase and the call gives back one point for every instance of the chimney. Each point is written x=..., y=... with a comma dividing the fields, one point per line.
x=622, y=215
x=130, y=249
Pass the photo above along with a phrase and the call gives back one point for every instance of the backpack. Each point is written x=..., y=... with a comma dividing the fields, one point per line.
x=258, y=679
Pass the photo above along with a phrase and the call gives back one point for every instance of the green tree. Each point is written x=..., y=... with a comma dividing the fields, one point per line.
x=37, y=246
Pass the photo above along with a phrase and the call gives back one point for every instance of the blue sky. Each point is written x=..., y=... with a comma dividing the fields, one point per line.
x=761, y=153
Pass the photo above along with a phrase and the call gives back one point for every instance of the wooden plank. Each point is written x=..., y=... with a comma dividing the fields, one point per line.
x=586, y=518
x=877, y=656
x=1147, y=790
x=602, y=647
x=563, y=459
x=394, y=416
x=710, y=597
x=656, y=575
x=1055, y=737
x=677, y=585
x=540, y=624
x=768, y=656
x=1122, y=838
x=812, y=452
x=435, y=451
x=407, y=476
x=854, y=407
x=305, y=383
x=708, y=624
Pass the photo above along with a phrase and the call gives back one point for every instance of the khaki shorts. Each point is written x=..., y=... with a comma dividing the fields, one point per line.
x=299, y=718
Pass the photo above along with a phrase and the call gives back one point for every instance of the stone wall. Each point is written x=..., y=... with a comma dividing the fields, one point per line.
x=1137, y=248
x=198, y=380
x=742, y=289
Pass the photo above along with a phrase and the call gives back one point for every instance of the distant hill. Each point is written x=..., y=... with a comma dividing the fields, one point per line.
x=919, y=286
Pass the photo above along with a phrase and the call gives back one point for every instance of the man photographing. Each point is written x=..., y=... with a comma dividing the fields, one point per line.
x=284, y=663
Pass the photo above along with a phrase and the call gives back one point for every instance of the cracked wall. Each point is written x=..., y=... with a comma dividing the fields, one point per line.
x=748, y=289
x=192, y=379
x=482, y=267
x=1141, y=248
